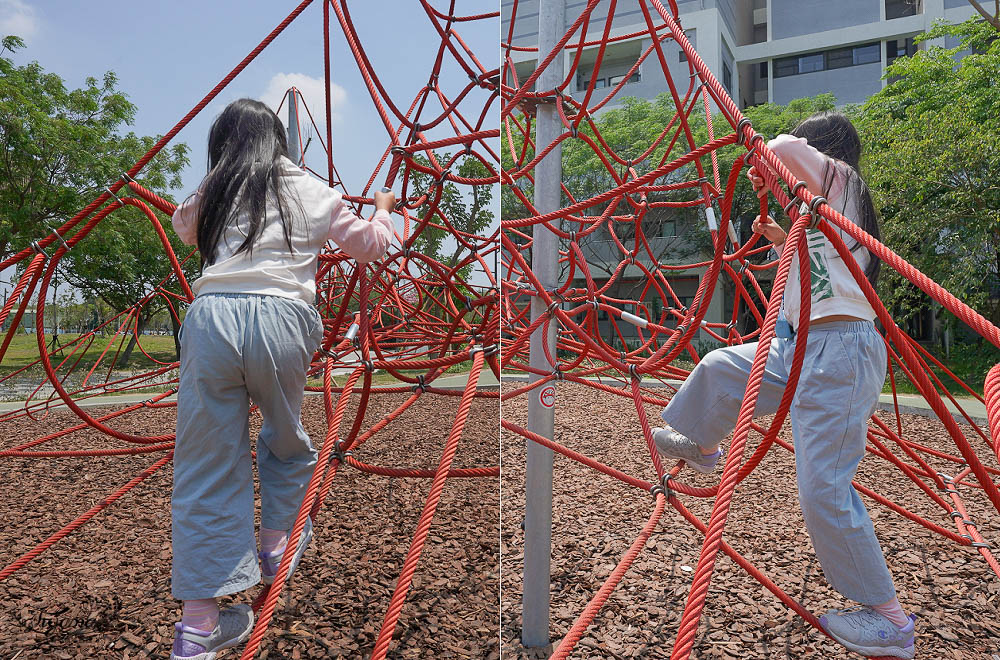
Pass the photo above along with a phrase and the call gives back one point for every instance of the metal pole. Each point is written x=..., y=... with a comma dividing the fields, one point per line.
x=293, y=129
x=541, y=403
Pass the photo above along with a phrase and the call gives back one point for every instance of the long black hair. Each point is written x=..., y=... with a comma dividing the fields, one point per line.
x=833, y=134
x=245, y=145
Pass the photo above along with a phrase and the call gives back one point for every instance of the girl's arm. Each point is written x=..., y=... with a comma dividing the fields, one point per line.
x=363, y=241
x=185, y=220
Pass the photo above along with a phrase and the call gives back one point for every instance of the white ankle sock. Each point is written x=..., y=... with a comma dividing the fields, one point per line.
x=894, y=612
x=202, y=614
x=273, y=540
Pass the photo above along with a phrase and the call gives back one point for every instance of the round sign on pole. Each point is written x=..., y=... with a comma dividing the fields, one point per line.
x=547, y=396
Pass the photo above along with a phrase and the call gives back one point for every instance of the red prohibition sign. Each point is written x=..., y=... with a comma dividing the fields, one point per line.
x=547, y=397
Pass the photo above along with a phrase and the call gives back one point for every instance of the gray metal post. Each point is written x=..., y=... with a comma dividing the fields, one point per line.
x=541, y=403
x=293, y=129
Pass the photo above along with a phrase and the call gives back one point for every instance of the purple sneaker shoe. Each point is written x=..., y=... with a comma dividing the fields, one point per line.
x=270, y=561
x=863, y=630
x=234, y=627
x=673, y=445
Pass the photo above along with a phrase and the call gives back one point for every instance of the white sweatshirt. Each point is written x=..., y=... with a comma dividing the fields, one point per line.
x=272, y=269
x=834, y=290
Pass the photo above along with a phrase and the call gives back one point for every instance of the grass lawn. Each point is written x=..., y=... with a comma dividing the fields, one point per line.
x=23, y=350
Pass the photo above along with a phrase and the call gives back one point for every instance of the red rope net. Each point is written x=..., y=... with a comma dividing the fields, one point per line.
x=408, y=315
x=628, y=284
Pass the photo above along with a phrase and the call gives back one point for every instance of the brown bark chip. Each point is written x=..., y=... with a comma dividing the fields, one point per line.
x=596, y=518
x=104, y=591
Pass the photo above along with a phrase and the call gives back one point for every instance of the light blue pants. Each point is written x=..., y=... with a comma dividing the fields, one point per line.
x=237, y=347
x=842, y=375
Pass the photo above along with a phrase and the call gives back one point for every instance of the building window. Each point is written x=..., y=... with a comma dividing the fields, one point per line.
x=763, y=70
x=837, y=58
x=810, y=63
x=727, y=77
x=692, y=38
x=868, y=54
x=614, y=80
x=786, y=66
x=901, y=8
x=895, y=49
x=583, y=82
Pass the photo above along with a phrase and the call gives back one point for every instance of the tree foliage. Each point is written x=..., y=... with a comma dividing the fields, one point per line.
x=468, y=211
x=61, y=148
x=933, y=164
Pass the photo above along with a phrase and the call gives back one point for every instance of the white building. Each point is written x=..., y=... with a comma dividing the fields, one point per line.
x=760, y=50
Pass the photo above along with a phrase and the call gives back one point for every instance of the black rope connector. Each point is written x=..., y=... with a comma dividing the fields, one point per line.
x=420, y=386
x=795, y=188
x=398, y=149
x=38, y=249
x=977, y=544
x=61, y=239
x=557, y=374
x=114, y=195
x=739, y=130
x=369, y=365
x=816, y=217
x=634, y=371
x=126, y=178
x=665, y=484
x=572, y=236
x=551, y=309
x=792, y=202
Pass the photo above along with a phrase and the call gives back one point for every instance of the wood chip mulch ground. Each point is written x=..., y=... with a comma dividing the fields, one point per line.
x=596, y=518
x=104, y=592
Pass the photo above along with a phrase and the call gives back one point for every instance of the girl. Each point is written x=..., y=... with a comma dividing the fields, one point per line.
x=259, y=222
x=842, y=375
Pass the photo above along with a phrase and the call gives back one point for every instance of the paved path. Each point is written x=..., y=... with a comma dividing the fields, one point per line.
x=448, y=381
x=908, y=403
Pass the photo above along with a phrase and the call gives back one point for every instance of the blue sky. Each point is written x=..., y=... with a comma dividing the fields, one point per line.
x=168, y=55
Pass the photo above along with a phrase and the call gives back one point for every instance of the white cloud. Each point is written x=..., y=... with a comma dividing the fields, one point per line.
x=313, y=95
x=16, y=17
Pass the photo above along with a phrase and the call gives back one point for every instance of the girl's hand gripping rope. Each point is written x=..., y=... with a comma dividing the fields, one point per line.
x=770, y=229
x=757, y=181
x=385, y=200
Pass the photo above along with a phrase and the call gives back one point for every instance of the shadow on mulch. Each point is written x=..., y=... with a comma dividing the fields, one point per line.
x=596, y=518
x=104, y=592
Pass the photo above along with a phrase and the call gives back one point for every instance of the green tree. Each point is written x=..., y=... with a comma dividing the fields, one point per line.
x=933, y=163
x=61, y=148
x=467, y=209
